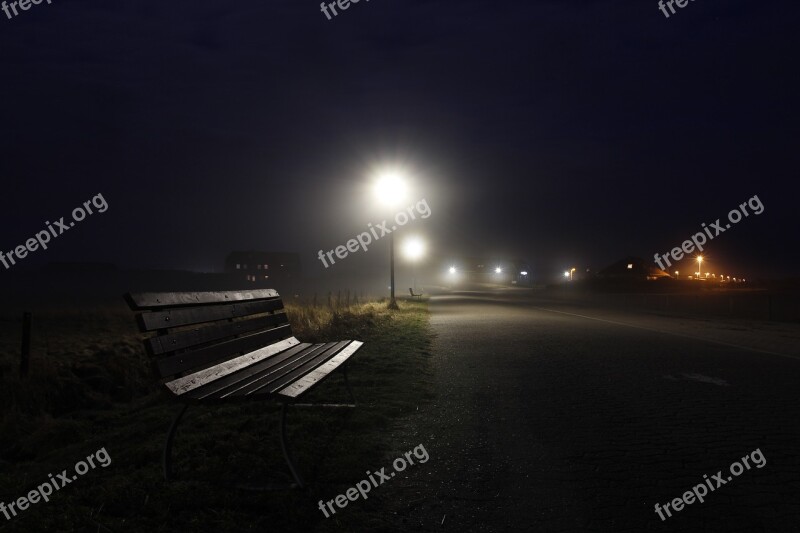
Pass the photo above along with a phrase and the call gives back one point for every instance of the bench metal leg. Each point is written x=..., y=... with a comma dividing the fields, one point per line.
x=167, y=459
x=285, y=448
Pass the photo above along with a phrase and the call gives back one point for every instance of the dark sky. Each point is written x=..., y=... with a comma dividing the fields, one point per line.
x=566, y=133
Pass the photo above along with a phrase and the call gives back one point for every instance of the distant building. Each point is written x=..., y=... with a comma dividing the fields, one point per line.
x=632, y=268
x=259, y=266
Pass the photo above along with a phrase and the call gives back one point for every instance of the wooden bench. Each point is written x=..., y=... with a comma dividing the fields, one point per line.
x=213, y=347
x=417, y=296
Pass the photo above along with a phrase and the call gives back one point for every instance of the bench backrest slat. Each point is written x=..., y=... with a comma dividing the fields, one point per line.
x=204, y=357
x=199, y=330
x=173, y=318
x=154, y=300
x=171, y=342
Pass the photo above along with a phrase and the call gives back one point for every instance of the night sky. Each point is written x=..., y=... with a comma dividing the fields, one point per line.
x=564, y=133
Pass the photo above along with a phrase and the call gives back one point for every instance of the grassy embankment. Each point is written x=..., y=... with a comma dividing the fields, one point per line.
x=91, y=386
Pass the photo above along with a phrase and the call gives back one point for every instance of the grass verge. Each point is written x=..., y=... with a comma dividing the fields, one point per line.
x=113, y=404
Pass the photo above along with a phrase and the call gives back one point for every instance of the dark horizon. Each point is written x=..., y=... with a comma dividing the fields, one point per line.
x=562, y=135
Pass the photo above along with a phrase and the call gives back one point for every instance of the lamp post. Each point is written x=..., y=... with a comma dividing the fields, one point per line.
x=699, y=265
x=390, y=190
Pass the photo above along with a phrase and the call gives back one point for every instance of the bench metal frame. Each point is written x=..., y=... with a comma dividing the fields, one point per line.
x=212, y=347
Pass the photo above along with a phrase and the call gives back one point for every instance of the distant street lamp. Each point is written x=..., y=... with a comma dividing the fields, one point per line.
x=390, y=189
x=699, y=264
x=452, y=270
x=498, y=270
x=413, y=249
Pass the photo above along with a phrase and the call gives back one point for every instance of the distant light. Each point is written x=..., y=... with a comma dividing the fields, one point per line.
x=523, y=273
x=452, y=270
x=566, y=274
x=413, y=248
x=630, y=266
x=498, y=270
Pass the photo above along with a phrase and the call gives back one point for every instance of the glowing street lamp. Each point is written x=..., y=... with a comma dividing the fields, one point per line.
x=413, y=248
x=452, y=270
x=498, y=270
x=699, y=264
x=390, y=189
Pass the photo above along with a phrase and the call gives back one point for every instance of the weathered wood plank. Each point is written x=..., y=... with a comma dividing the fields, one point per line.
x=266, y=381
x=171, y=342
x=321, y=372
x=198, y=379
x=262, y=372
x=172, y=318
x=203, y=357
x=154, y=300
x=302, y=369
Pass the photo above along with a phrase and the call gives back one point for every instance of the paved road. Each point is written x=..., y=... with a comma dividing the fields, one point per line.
x=556, y=419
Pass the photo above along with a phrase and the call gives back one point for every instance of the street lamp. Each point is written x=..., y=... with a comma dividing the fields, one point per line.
x=390, y=189
x=413, y=248
x=700, y=264
x=452, y=270
x=498, y=270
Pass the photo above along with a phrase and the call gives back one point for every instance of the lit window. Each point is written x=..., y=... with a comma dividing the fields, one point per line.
x=266, y=267
x=630, y=266
x=238, y=266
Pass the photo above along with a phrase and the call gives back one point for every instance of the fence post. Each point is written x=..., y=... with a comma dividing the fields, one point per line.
x=25, y=355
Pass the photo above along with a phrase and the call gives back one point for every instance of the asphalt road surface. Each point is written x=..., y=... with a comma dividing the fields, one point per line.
x=551, y=417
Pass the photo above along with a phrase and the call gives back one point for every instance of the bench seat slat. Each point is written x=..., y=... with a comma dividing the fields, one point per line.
x=249, y=375
x=303, y=369
x=184, y=339
x=198, y=379
x=267, y=381
x=154, y=300
x=309, y=380
x=172, y=318
x=194, y=359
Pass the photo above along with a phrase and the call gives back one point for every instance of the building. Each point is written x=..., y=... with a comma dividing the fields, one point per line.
x=259, y=266
x=632, y=268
